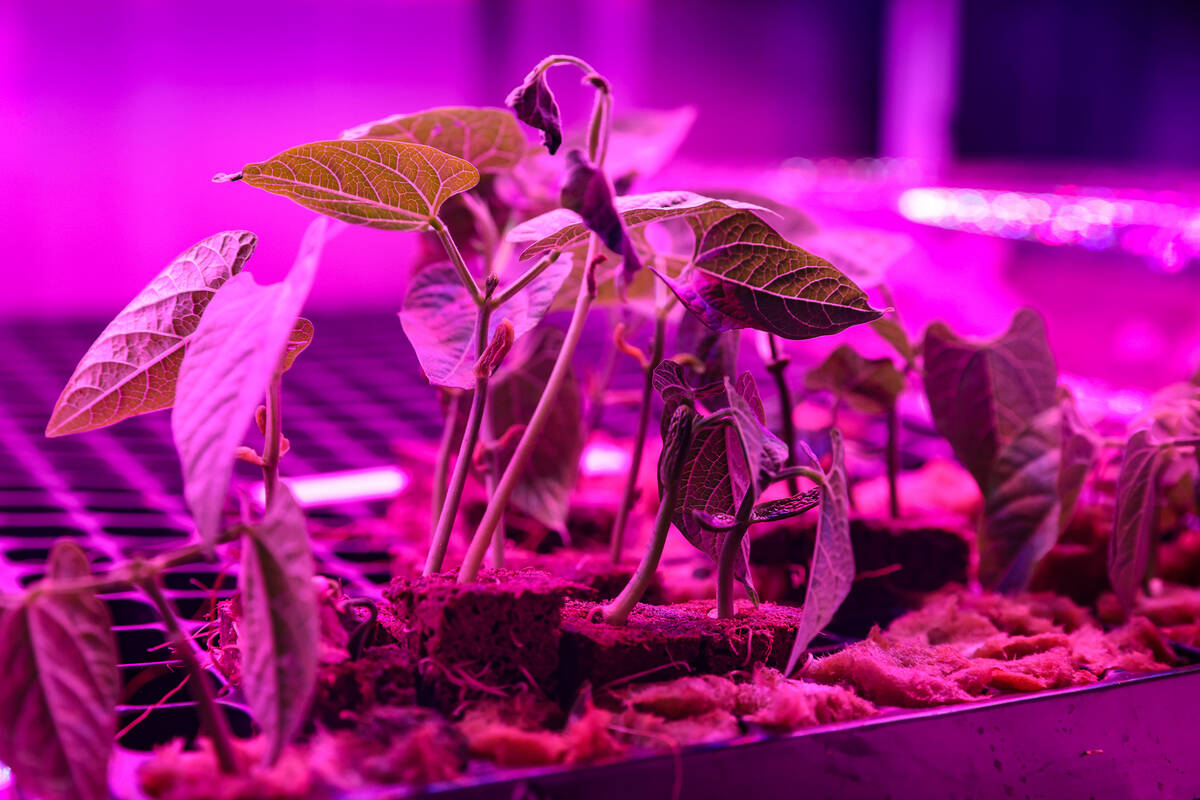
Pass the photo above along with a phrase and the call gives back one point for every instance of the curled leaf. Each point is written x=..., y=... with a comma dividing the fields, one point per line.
x=534, y=104
x=382, y=184
x=1133, y=536
x=299, y=340
x=487, y=137
x=133, y=365
x=831, y=573
x=676, y=442
x=586, y=191
x=59, y=685
x=280, y=632
x=869, y=385
x=234, y=354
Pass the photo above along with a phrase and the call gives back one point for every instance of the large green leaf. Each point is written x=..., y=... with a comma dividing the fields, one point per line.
x=132, y=367
x=395, y=186
x=59, y=686
x=489, y=138
x=1133, y=535
x=280, y=632
x=234, y=354
x=869, y=385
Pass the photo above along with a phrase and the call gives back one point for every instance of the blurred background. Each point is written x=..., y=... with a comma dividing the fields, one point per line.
x=1037, y=152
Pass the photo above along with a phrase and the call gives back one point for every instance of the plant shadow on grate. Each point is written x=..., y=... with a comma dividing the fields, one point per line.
x=355, y=392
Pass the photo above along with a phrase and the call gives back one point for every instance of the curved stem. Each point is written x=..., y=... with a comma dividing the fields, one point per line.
x=458, y=480
x=617, y=612
x=617, y=537
x=441, y=467
x=211, y=717
x=541, y=415
x=273, y=435
x=464, y=274
x=777, y=367
x=598, y=129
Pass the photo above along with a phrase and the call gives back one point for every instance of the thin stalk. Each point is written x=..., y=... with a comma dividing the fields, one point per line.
x=520, y=283
x=489, y=480
x=617, y=612
x=214, y=722
x=464, y=274
x=273, y=438
x=458, y=480
x=893, y=459
x=777, y=367
x=441, y=467
x=617, y=537
x=731, y=548
x=537, y=423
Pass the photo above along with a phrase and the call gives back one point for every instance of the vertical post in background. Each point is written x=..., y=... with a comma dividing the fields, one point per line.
x=920, y=81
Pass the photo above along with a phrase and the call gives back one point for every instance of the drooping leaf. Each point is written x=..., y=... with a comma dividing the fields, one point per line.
x=395, y=186
x=1134, y=535
x=59, y=686
x=439, y=316
x=487, y=137
x=982, y=394
x=544, y=491
x=869, y=385
x=716, y=350
x=586, y=191
x=892, y=332
x=299, y=340
x=280, y=633
x=132, y=367
x=232, y=358
x=534, y=104
x=864, y=254
x=831, y=573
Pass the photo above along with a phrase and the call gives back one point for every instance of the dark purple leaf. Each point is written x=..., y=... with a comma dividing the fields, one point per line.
x=677, y=439
x=438, y=317
x=831, y=573
x=534, y=104
x=869, y=385
x=59, y=685
x=1134, y=534
x=892, y=332
x=672, y=387
x=280, y=632
x=586, y=191
x=983, y=394
x=716, y=350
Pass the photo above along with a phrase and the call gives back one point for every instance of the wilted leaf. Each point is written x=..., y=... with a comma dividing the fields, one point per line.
x=745, y=275
x=894, y=334
x=983, y=394
x=544, y=491
x=59, y=686
x=487, y=137
x=1134, y=536
x=438, y=317
x=586, y=191
x=534, y=104
x=299, y=340
x=831, y=573
x=132, y=367
x=869, y=385
x=280, y=634
x=232, y=358
x=864, y=254
x=394, y=186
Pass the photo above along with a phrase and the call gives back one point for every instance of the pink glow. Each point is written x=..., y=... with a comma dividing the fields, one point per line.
x=604, y=458
x=333, y=488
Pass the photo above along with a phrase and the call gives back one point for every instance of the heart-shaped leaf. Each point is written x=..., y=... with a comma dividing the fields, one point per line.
x=1133, y=536
x=280, y=633
x=396, y=186
x=534, y=104
x=544, y=490
x=869, y=385
x=439, y=316
x=233, y=356
x=299, y=340
x=132, y=367
x=487, y=137
x=831, y=573
x=59, y=686
x=983, y=394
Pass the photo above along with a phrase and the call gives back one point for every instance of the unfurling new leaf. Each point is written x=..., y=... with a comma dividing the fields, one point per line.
x=487, y=137
x=382, y=184
x=1133, y=537
x=59, y=685
x=280, y=634
x=133, y=366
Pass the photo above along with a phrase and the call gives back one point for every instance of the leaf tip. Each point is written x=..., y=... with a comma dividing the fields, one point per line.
x=224, y=177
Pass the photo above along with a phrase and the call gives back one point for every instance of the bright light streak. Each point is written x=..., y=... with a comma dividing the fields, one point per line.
x=332, y=488
x=604, y=458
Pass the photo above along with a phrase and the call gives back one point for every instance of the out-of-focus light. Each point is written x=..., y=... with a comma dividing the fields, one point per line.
x=5, y=776
x=604, y=458
x=333, y=488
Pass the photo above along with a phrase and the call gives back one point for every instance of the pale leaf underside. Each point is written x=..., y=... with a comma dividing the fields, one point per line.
x=489, y=138
x=132, y=367
x=374, y=182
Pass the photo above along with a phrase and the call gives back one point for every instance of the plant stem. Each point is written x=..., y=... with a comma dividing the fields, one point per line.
x=529, y=275
x=273, y=438
x=533, y=431
x=441, y=467
x=464, y=274
x=211, y=717
x=617, y=537
x=731, y=548
x=893, y=459
x=489, y=480
x=617, y=612
x=466, y=448
x=777, y=367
